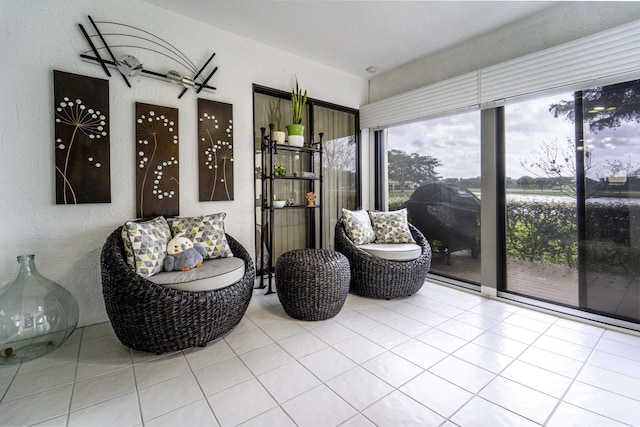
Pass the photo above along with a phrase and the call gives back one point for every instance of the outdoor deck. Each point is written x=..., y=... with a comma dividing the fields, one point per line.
x=606, y=293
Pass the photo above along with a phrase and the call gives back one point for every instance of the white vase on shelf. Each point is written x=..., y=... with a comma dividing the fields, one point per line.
x=296, y=140
x=279, y=136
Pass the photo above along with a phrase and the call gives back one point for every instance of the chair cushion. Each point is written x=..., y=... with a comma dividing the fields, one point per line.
x=393, y=251
x=207, y=231
x=357, y=225
x=391, y=227
x=145, y=244
x=214, y=274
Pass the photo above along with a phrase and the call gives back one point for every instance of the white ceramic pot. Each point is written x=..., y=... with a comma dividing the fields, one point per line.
x=278, y=136
x=279, y=204
x=296, y=140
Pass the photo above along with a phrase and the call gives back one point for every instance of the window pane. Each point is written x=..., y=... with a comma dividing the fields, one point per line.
x=541, y=235
x=434, y=171
x=573, y=215
x=612, y=209
x=339, y=162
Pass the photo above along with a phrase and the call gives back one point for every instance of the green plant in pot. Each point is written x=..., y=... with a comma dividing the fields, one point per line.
x=298, y=102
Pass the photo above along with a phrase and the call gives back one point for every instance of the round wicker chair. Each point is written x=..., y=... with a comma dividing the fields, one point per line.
x=150, y=317
x=380, y=278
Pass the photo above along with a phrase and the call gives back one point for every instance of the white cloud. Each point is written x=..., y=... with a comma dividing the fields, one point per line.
x=455, y=140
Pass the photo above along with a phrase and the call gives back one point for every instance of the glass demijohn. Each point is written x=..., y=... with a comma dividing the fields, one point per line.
x=36, y=315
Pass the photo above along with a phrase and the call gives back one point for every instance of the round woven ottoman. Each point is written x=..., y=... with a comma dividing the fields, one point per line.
x=312, y=284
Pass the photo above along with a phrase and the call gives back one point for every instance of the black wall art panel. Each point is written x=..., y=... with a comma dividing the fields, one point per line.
x=215, y=150
x=82, y=153
x=157, y=177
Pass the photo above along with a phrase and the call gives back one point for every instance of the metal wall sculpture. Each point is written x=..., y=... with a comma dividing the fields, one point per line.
x=125, y=39
x=82, y=159
x=157, y=166
x=215, y=150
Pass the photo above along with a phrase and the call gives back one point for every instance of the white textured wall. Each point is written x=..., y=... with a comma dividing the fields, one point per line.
x=558, y=24
x=40, y=36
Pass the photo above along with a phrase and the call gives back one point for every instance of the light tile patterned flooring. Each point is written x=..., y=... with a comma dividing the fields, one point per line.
x=441, y=357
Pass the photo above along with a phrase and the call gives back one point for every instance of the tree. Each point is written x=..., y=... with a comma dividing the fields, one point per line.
x=555, y=166
x=413, y=167
x=558, y=163
x=605, y=107
x=526, y=182
x=339, y=154
x=617, y=168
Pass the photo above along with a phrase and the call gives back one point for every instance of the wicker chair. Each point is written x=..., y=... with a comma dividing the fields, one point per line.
x=380, y=278
x=150, y=317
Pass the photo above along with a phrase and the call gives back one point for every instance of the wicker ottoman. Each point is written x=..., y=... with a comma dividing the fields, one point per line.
x=312, y=284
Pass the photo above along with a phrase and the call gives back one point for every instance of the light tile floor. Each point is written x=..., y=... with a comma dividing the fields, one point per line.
x=441, y=357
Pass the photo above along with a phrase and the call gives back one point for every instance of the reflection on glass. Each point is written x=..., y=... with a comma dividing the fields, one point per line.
x=434, y=171
x=611, y=280
x=340, y=148
x=573, y=205
x=541, y=225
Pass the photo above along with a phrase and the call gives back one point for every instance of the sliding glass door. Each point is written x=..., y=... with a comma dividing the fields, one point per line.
x=434, y=171
x=573, y=199
x=610, y=279
x=541, y=205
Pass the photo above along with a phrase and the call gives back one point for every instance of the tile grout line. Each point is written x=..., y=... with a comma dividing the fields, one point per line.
x=278, y=404
x=573, y=381
x=497, y=374
x=75, y=375
x=324, y=383
x=204, y=396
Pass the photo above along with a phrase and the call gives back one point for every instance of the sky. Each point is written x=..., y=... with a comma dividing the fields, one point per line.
x=455, y=140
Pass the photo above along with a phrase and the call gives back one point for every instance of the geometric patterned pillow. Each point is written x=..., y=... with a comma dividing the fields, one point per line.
x=207, y=231
x=391, y=227
x=145, y=244
x=358, y=226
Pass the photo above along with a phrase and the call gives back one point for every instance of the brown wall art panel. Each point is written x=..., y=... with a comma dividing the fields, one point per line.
x=215, y=148
x=81, y=139
x=157, y=178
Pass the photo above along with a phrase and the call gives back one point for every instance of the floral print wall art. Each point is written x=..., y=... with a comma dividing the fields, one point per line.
x=157, y=178
x=215, y=150
x=82, y=153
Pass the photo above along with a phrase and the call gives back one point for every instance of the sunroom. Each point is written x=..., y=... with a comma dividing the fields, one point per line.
x=530, y=318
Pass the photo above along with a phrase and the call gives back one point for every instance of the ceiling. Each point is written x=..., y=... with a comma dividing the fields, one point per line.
x=354, y=35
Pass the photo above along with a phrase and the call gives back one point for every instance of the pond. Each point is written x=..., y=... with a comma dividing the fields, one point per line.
x=566, y=199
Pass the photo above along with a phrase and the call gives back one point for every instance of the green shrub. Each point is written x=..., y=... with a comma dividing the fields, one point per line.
x=542, y=232
x=397, y=201
x=547, y=233
x=609, y=228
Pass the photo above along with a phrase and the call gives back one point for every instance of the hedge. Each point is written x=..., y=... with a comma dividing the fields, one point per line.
x=547, y=232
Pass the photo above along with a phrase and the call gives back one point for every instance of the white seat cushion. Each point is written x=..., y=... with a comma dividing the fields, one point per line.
x=214, y=274
x=393, y=251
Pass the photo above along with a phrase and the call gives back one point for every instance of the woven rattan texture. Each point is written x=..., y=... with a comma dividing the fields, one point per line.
x=380, y=278
x=312, y=284
x=150, y=317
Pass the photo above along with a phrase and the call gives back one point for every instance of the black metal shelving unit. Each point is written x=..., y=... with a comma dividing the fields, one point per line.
x=269, y=149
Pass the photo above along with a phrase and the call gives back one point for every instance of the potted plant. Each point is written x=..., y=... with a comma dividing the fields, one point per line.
x=278, y=203
x=296, y=129
x=279, y=170
x=311, y=198
x=274, y=116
